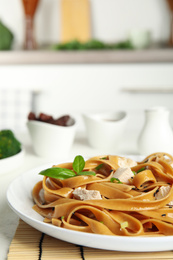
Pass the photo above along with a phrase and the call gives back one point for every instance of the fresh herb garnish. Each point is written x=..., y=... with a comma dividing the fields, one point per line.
x=78, y=166
x=140, y=170
x=103, y=158
x=78, y=163
x=86, y=173
x=124, y=225
x=115, y=179
x=63, y=173
x=99, y=166
x=59, y=173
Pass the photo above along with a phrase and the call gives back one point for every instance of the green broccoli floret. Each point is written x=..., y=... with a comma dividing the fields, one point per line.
x=9, y=145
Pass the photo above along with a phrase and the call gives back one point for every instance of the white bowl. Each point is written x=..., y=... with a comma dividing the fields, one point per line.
x=11, y=163
x=105, y=130
x=51, y=141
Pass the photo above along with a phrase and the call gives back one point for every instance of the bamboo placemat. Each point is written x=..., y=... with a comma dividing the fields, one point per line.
x=30, y=244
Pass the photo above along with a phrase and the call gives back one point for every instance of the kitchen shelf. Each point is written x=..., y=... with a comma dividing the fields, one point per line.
x=146, y=90
x=86, y=57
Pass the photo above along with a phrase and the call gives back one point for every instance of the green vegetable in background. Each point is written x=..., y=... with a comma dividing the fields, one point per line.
x=123, y=45
x=63, y=173
x=6, y=37
x=9, y=145
x=93, y=44
x=72, y=45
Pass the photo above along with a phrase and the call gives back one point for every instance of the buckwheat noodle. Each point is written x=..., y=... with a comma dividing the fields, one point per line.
x=124, y=210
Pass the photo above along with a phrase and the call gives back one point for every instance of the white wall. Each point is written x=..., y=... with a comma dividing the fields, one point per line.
x=77, y=89
x=111, y=19
x=92, y=87
x=80, y=88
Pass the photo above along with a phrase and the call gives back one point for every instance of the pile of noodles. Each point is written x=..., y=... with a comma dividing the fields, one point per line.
x=124, y=210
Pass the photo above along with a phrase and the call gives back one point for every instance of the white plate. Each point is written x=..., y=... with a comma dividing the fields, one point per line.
x=20, y=200
x=11, y=163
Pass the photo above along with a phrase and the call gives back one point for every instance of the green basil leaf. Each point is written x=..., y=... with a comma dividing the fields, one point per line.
x=87, y=173
x=99, y=166
x=59, y=173
x=78, y=163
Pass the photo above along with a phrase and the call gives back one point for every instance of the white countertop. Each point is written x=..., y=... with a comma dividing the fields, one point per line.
x=8, y=219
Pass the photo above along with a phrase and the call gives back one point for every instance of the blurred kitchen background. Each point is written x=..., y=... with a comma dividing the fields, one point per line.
x=56, y=81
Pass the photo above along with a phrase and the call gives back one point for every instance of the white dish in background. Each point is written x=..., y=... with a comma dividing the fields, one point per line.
x=105, y=130
x=12, y=162
x=20, y=200
x=51, y=141
x=140, y=38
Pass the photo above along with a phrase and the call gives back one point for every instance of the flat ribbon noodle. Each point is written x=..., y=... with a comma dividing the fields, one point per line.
x=143, y=177
x=123, y=210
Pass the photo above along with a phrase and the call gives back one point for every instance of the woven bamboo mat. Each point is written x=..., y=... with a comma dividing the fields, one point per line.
x=30, y=244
